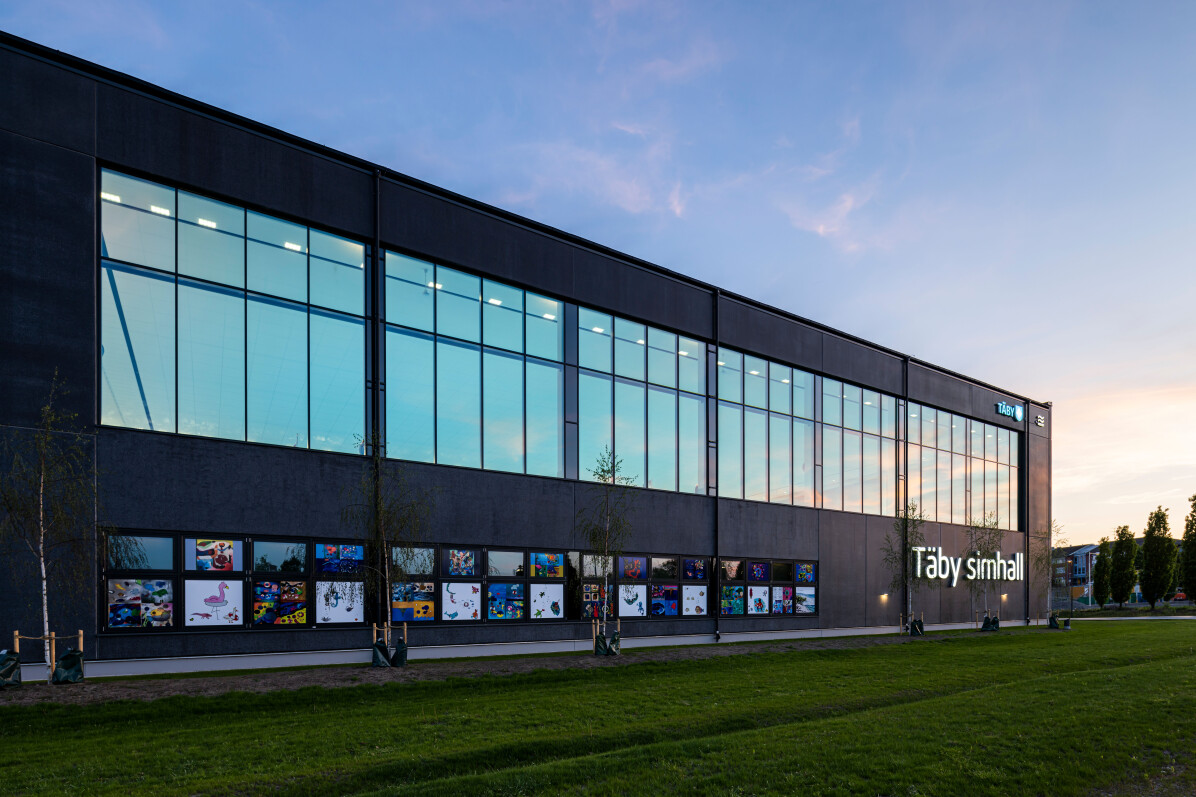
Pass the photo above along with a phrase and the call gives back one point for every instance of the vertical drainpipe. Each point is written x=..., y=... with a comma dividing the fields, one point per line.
x=377, y=283
x=715, y=577
x=903, y=493
x=1023, y=500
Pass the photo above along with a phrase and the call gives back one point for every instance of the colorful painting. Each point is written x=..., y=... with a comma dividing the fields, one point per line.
x=279, y=603
x=548, y=601
x=461, y=601
x=732, y=569
x=595, y=603
x=140, y=603
x=461, y=562
x=693, y=600
x=548, y=565
x=506, y=602
x=340, y=602
x=664, y=600
x=782, y=600
x=759, y=600
x=759, y=571
x=804, y=600
x=214, y=555
x=218, y=603
x=339, y=558
x=694, y=569
x=805, y=572
x=731, y=601
x=412, y=601
x=633, y=600
x=633, y=568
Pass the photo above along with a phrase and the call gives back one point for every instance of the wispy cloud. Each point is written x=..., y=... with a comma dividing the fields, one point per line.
x=676, y=201
x=702, y=56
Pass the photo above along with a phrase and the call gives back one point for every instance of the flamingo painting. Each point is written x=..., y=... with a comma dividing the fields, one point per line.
x=217, y=600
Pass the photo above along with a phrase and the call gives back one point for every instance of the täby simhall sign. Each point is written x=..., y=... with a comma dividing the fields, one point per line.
x=932, y=563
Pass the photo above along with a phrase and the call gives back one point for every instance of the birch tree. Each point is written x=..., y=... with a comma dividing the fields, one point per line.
x=984, y=539
x=605, y=526
x=897, y=553
x=48, y=506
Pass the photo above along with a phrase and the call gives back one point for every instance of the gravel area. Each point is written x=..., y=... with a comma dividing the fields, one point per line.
x=99, y=690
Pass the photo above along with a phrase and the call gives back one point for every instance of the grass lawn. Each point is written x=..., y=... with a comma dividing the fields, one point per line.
x=1030, y=712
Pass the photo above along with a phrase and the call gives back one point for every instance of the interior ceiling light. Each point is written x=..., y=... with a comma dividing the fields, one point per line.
x=159, y=211
x=292, y=247
x=495, y=302
x=599, y=330
x=720, y=362
x=683, y=353
x=754, y=373
x=784, y=381
x=110, y=197
x=435, y=285
x=640, y=341
x=549, y=317
x=211, y=225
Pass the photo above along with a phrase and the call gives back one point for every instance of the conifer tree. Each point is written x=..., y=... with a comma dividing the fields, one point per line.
x=1158, y=557
x=1188, y=574
x=1123, y=574
x=1102, y=573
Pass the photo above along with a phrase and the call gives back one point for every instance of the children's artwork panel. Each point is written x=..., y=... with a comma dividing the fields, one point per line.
x=595, y=603
x=731, y=600
x=782, y=600
x=547, y=601
x=335, y=557
x=806, y=572
x=694, y=600
x=211, y=555
x=506, y=601
x=633, y=568
x=693, y=569
x=633, y=600
x=413, y=601
x=804, y=600
x=213, y=602
x=548, y=565
x=341, y=602
x=759, y=600
x=140, y=603
x=665, y=598
x=460, y=601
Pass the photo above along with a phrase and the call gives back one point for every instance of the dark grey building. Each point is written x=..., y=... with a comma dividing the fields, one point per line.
x=238, y=312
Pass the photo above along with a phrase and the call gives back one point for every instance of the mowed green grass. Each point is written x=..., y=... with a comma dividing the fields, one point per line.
x=1031, y=712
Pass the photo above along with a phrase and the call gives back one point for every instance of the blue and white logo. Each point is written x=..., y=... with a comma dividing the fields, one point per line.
x=1014, y=411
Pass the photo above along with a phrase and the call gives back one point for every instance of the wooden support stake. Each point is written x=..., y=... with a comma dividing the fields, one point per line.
x=80, y=640
x=16, y=642
x=404, y=633
x=53, y=654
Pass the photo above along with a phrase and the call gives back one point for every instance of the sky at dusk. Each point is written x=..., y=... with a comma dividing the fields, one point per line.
x=1004, y=189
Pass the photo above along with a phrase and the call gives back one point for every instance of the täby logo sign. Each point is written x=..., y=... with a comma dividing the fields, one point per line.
x=1014, y=411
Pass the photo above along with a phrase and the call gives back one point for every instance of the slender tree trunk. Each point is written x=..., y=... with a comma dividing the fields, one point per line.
x=41, y=563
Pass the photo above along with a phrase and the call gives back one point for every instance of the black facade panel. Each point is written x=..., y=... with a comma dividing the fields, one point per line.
x=855, y=362
x=1035, y=410
x=48, y=270
x=751, y=329
x=882, y=603
x=608, y=284
x=46, y=102
x=842, y=563
x=444, y=231
x=928, y=386
x=751, y=528
x=148, y=135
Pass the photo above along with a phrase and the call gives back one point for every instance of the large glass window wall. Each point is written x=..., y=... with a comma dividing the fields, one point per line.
x=474, y=373
x=962, y=471
x=221, y=322
x=859, y=449
x=641, y=394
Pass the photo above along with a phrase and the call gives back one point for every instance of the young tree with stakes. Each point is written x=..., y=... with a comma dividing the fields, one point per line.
x=1045, y=547
x=48, y=504
x=391, y=514
x=897, y=553
x=985, y=538
x=1123, y=574
x=1188, y=573
x=605, y=527
x=1102, y=573
x=1158, y=558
